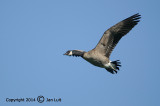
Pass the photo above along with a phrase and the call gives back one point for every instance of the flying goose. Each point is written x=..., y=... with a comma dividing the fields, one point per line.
x=99, y=56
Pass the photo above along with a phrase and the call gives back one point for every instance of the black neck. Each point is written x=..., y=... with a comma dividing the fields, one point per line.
x=78, y=53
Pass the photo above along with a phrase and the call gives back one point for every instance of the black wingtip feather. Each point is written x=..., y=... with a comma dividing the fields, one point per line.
x=136, y=17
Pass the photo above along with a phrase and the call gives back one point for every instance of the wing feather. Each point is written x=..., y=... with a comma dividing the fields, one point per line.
x=112, y=36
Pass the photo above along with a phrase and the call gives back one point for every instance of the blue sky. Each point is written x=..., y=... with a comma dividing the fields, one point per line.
x=34, y=34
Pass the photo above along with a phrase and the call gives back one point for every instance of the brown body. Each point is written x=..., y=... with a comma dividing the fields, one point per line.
x=96, y=58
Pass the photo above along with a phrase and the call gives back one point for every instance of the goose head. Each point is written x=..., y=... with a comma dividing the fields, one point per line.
x=68, y=53
x=74, y=53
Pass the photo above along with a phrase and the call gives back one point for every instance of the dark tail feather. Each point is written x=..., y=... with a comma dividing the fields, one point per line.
x=111, y=71
x=117, y=63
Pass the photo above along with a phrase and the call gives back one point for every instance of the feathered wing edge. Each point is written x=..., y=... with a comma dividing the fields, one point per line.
x=112, y=36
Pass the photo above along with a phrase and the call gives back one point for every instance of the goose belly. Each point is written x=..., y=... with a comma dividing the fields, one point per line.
x=96, y=62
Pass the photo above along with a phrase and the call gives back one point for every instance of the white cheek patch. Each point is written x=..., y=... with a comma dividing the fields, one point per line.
x=70, y=53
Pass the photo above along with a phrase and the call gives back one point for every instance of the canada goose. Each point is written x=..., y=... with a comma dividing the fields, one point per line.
x=99, y=56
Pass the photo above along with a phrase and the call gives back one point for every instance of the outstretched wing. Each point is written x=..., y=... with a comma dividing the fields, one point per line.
x=112, y=36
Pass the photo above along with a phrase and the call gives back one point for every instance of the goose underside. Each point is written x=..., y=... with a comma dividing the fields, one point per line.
x=95, y=62
x=111, y=67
